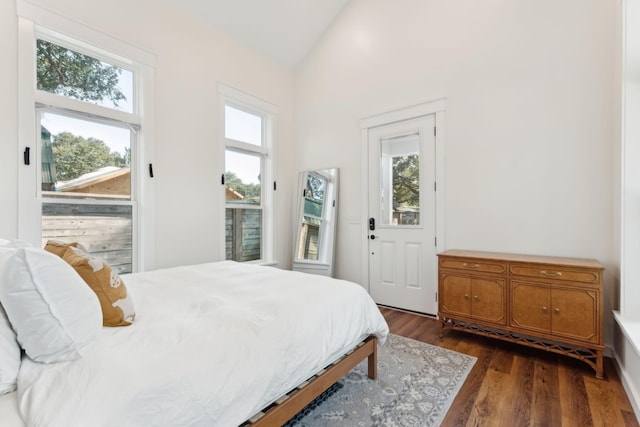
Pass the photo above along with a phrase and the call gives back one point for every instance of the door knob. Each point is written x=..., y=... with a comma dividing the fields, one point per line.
x=372, y=237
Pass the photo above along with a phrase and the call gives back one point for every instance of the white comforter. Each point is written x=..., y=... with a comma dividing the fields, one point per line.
x=211, y=345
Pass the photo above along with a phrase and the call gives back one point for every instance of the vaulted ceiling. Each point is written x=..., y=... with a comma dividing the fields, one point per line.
x=284, y=30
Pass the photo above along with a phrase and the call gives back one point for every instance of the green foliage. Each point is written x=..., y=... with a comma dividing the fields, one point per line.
x=75, y=155
x=250, y=192
x=406, y=181
x=315, y=187
x=65, y=72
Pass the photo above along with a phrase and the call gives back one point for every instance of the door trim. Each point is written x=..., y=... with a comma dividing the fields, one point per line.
x=436, y=107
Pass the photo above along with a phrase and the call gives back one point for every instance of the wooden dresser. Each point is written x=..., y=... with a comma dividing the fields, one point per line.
x=543, y=302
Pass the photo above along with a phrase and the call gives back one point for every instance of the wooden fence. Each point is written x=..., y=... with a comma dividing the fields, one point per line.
x=243, y=234
x=106, y=231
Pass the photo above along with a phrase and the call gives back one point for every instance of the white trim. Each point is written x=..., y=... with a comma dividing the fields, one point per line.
x=623, y=154
x=236, y=98
x=83, y=109
x=245, y=147
x=364, y=205
x=436, y=107
x=34, y=23
x=419, y=110
x=440, y=182
x=79, y=31
x=246, y=100
x=28, y=203
x=629, y=331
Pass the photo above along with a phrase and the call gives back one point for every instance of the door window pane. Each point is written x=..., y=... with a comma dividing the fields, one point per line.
x=400, y=180
x=242, y=126
x=242, y=178
x=82, y=159
x=72, y=74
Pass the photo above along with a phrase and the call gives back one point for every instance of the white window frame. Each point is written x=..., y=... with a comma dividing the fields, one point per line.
x=36, y=23
x=232, y=97
x=628, y=316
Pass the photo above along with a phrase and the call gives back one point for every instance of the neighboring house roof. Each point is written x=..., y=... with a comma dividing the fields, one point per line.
x=232, y=194
x=92, y=178
x=406, y=209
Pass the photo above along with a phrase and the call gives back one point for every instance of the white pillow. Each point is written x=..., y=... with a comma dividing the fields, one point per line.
x=6, y=243
x=9, y=355
x=9, y=347
x=55, y=314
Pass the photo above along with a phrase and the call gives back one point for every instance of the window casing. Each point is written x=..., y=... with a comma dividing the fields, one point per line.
x=248, y=176
x=83, y=181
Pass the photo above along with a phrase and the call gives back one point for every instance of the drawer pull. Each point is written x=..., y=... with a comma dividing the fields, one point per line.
x=467, y=265
x=466, y=296
x=551, y=274
x=475, y=297
x=544, y=309
x=557, y=310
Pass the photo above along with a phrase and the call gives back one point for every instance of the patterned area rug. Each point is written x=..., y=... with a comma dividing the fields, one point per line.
x=416, y=385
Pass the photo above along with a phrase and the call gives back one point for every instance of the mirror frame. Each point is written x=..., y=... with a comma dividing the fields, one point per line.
x=327, y=236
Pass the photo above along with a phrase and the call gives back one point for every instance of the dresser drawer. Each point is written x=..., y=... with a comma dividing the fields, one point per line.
x=555, y=272
x=483, y=266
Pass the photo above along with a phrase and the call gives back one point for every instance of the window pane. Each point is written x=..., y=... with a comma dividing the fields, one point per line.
x=104, y=230
x=72, y=74
x=400, y=179
x=243, y=234
x=406, y=190
x=84, y=159
x=242, y=178
x=314, y=195
x=242, y=126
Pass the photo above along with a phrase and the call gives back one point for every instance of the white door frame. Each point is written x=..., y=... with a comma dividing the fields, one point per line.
x=437, y=107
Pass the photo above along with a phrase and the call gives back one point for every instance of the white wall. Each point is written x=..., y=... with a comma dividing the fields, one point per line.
x=529, y=88
x=191, y=59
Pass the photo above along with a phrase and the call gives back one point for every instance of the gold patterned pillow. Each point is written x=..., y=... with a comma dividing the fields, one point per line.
x=59, y=247
x=116, y=303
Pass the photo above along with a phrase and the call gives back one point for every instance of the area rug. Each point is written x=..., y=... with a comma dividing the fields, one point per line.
x=417, y=382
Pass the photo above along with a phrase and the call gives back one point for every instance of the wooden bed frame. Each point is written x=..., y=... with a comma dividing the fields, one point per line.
x=289, y=405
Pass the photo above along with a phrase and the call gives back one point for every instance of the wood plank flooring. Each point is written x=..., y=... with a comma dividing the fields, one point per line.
x=517, y=386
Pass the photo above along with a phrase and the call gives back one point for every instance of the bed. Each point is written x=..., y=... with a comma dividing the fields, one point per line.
x=216, y=344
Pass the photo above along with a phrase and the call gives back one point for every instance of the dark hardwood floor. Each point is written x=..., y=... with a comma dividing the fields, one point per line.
x=516, y=386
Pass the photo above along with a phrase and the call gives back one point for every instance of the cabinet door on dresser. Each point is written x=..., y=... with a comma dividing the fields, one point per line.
x=546, y=308
x=575, y=313
x=488, y=299
x=530, y=304
x=476, y=297
x=454, y=295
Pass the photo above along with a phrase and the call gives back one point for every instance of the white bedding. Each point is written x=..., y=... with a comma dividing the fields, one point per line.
x=211, y=345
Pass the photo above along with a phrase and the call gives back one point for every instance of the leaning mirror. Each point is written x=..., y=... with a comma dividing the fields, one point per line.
x=316, y=221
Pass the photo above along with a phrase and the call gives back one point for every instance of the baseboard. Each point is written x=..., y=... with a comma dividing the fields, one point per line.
x=632, y=392
x=417, y=313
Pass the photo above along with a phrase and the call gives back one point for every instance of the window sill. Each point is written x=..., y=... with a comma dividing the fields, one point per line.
x=630, y=329
x=266, y=263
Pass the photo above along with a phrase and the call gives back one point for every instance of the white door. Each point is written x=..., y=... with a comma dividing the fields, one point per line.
x=402, y=210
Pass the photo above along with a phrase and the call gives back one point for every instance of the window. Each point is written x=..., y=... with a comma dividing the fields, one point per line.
x=247, y=176
x=81, y=182
x=86, y=159
x=400, y=174
x=629, y=315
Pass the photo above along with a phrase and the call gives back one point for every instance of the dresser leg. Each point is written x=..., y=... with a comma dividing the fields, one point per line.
x=599, y=364
x=441, y=327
